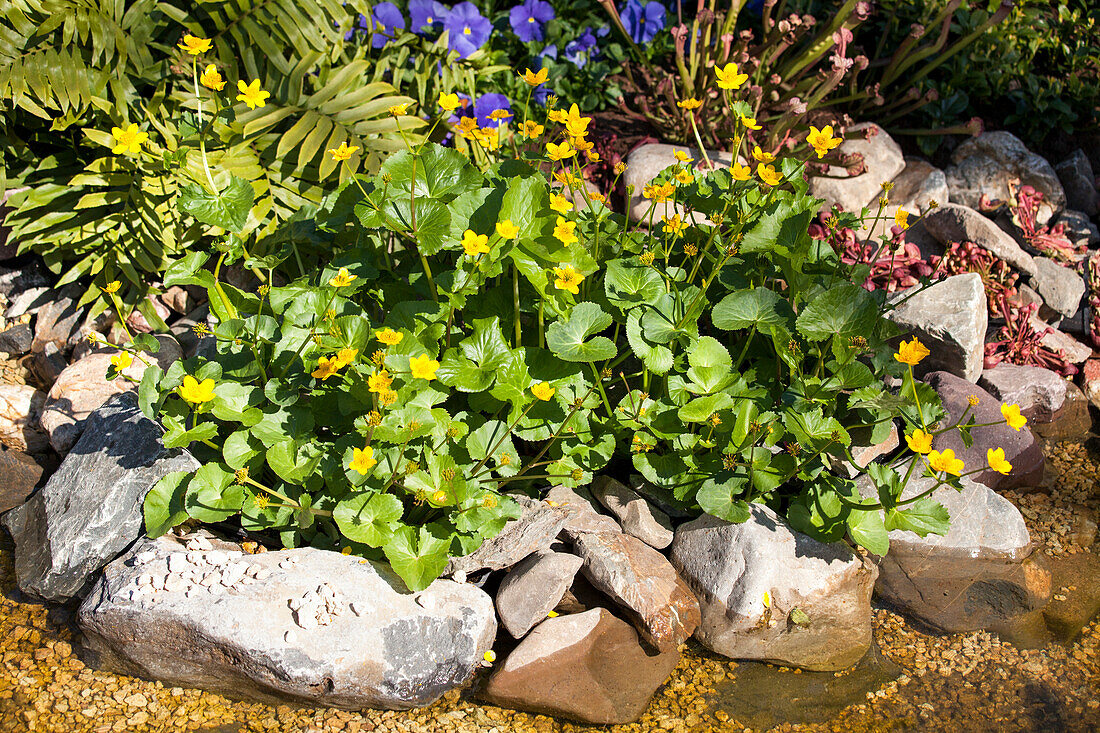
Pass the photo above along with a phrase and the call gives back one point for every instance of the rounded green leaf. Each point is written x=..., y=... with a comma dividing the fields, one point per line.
x=368, y=518
x=569, y=339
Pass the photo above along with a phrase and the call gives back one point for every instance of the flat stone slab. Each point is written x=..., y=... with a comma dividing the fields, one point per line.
x=535, y=530
x=304, y=625
x=533, y=588
x=951, y=319
x=638, y=518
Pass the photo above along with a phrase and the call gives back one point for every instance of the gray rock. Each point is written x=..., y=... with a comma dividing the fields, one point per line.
x=994, y=161
x=91, y=508
x=57, y=320
x=16, y=340
x=30, y=300
x=21, y=408
x=1039, y=392
x=581, y=512
x=950, y=318
x=915, y=188
x=983, y=574
x=1073, y=350
x=371, y=644
x=643, y=165
x=47, y=365
x=17, y=280
x=751, y=577
x=19, y=474
x=1079, y=229
x=1079, y=182
x=1060, y=287
x=882, y=160
x=587, y=666
x=1021, y=448
x=535, y=530
x=863, y=451
x=642, y=581
x=1071, y=422
x=532, y=588
x=954, y=223
x=637, y=517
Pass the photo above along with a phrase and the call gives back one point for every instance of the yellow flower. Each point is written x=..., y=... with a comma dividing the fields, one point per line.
x=1013, y=417
x=389, y=337
x=196, y=392
x=532, y=129
x=362, y=460
x=121, y=360
x=620, y=168
x=750, y=122
x=326, y=367
x=112, y=287
x=575, y=125
x=566, y=178
x=689, y=104
x=973, y=400
x=543, y=391
x=559, y=152
x=552, y=614
x=379, y=382
x=487, y=138
x=681, y=156
x=500, y=114
x=684, y=177
x=534, y=79
x=581, y=145
x=741, y=172
x=211, y=79
x=566, y=278
x=911, y=352
x=674, y=226
x=344, y=152
x=507, y=230
x=387, y=397
x=423, y=367
x=251, y=94
x=195, y=45
x=398, y=109
x=768, y=174
x=996, y=459
x=919, y=441
x=449, y=102
x=345, y=357
x=558, y=115
x=343, y=277
x=560, y=204
x=490, y=656
x=565, y=230
x=474, y=244
x=945, y=462
x=901, y=218
x=729, y=78
x=761, y=156
x=822, y=141
x=128, y=140
x=466, y=126
x=659, y=194
x=592, y=155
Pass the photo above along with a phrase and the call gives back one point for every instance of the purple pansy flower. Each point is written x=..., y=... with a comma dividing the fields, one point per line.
x=361, y=26
x=486, y=104
x=427, y=16
x=387, y=21
x=528, y=20
x=467, y=29
x=643, y=22
x=581, y=49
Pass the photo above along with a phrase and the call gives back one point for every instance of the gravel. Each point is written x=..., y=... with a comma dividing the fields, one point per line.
x=959, y=682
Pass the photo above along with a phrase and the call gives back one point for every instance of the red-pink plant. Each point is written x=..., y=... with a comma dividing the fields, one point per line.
x=1051, y=241
x=894, y=265
x=1019, y=342
x=997, y=277
x=1092, y=272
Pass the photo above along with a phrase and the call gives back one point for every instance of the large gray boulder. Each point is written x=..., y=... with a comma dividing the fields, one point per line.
x=641, y=581
x=305, y=625
x=991, y=163
x=587, y=666
x=983, y=574
x=770, y=593
x=1060, y=287
x=950, y=318
x=882, y=161
x=91, y=508
x=1039, y=392
x=914, y=190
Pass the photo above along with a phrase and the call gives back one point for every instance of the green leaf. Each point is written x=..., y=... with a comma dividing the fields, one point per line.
x=867, y=530
x=291, y=462
x=240, y=448
x=177, y=437
x=227, y=209
x=567, y=339
x=479, y=442
x=710, y=363
x=701, y=408
x=418, y=554
x=627, y=284
x=760, y=307
x=368, y=518
x=924, y=517
x=213, y=494
x=842, y=310
x=722, y=499
x=440, y=173
x=163, y=507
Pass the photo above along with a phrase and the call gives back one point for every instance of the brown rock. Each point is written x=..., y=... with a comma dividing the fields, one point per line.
x=588, y=666
x=79, y=390
x=581, y=512
x=1021, y=448
x=19, y=474
x=638, y=518
x=642, y=581
x=56, y=321
x=534, y=531
x=1076, y=583
x=1071, y=422
x=20, y=415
